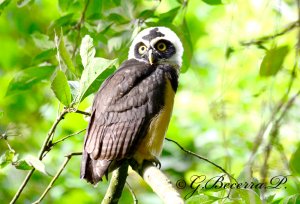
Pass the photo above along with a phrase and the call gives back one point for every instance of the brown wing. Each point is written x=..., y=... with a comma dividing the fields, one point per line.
x=121, y=114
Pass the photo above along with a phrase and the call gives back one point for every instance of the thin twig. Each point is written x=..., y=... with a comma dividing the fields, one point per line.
x=60, y=170
x=83, y=113
x=28, y=176
x=40, y=156
x=50, y=133
x=265, y=126
x=66, y=137
x=78, y=27
x=116, y=185
x=273, y=137
x=263, y=39
x=207, y=160
x=276, y=125
x=135, y=200
x=202, y=158
x=288, y=106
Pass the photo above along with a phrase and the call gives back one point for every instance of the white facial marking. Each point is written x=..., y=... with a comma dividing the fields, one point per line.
x=169, y=35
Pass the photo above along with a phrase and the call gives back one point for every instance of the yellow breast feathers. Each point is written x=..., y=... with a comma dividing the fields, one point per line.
x=151, y=146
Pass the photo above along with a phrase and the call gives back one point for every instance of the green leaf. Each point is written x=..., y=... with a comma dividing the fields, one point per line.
x=229, y=52
x=87, y=51
x=213, y=2
x=292, y=199
x=270, y=198
x=205, y=199
x=117, y=18
x=294, y=161
x=27, y=78
x=61, y=88
x=22, y=3
x=74, y=86
x=93, y=67
x=65, y=55
x=188, y=47
x=248, y=196
x=146, y=14
x=6, y=158
x=64, y=4
x=273, y=60
x=64, y=20
x=91, y=73
x=169, y=16
x=98, y=81
x=42, y=41
x=36, y=163
x=94, y=16
x=44, y=56
x=3, y=4
x=115, y=43
x=22, y=165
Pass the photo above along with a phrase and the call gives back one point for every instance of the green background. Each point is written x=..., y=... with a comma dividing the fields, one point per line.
x=237, y=102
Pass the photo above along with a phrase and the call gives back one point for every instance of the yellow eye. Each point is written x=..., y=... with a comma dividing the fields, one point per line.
x=142, y=49
x=161, y=46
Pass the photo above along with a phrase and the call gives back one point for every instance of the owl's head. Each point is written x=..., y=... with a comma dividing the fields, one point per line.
x=156, y=45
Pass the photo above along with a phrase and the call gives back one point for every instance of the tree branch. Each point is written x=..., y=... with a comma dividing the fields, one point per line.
x=265, y=126
x=60, y=170
x=116, y=185
x=270, y=37
x=41, y=154
x=66, y=137
x=82, y=112
x=160, y=184
x=202, y=158
x=51, y=132
x=274, y=135
x=272, y=126
x=78, y=27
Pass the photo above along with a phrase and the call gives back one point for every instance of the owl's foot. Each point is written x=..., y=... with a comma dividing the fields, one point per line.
x=156, y=162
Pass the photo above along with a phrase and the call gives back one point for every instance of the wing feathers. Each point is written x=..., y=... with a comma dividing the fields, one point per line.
x=122, y=112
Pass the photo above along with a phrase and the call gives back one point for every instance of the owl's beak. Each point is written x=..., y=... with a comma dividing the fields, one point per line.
x=150, y=56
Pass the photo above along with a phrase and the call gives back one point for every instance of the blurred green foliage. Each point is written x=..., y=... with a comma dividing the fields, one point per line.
x=237, y=103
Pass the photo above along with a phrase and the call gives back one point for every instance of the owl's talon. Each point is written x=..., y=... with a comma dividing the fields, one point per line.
x=156, y=162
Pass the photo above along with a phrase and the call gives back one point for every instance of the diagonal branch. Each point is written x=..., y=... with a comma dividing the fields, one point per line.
x=82, y=112
x=116, y=185
x=60, y=170
x=41, y=154
x=160, y=184
x=66, y=137
x=274, y=135
x=272, y=125
x=266, y=38
x=78, y=27
x=202, y=158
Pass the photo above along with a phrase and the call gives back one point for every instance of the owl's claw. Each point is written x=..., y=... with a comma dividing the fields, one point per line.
x=156, y=162
x=139, y=167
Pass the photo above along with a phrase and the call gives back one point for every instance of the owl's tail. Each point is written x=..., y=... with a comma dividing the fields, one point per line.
x=93, y=170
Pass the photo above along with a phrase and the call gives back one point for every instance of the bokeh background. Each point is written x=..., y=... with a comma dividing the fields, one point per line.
x=237, y=103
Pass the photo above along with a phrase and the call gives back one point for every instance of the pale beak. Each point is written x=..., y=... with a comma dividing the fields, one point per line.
x=150, y=56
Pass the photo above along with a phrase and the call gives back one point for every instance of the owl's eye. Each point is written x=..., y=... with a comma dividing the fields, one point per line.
x=161, y=46
x=142, y=49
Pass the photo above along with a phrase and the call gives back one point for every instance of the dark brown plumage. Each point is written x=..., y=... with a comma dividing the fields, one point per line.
x=121, y=114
